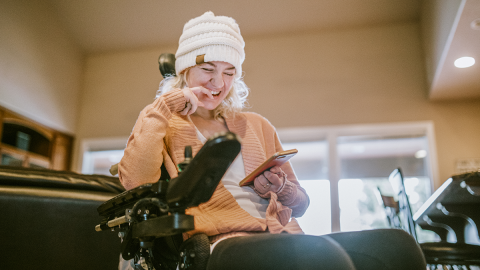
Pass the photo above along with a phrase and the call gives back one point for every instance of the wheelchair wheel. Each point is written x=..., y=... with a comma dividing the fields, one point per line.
x=195, y=252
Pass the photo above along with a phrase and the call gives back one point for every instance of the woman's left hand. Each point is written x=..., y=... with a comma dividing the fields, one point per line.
x=271, y=180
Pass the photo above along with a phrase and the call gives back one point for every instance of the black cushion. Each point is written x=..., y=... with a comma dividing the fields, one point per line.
x=48, y=220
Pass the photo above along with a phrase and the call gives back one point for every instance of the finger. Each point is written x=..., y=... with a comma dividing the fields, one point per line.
x=186, y=109
x=276, y=169
x=187, y=93
x=189, y=98
x=207, y=92
x=202, y=90
x=260, y=183
x=273, y=178
x=193, y=105
x=190, y=108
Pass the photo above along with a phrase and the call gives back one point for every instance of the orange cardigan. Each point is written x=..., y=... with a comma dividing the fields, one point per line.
x=160, y=136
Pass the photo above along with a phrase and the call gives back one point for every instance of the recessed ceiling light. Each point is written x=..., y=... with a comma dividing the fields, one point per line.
x=464, y=62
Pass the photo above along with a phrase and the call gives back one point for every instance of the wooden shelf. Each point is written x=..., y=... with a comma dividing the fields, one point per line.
x=28, y=144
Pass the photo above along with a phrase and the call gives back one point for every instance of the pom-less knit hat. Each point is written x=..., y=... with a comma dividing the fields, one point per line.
x=218, y=38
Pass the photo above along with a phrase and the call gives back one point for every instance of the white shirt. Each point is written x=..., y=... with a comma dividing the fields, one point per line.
x=245, y=196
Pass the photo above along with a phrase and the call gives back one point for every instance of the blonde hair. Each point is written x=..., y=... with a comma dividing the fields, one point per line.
x=233, y=103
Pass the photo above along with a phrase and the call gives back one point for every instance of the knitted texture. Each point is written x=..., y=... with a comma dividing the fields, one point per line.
x=160, y=136
x=216, y=37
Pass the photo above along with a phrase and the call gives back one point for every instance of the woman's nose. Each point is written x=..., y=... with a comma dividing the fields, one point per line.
x=217, y=80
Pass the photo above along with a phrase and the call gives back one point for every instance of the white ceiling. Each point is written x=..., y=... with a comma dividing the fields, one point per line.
x=112, y=25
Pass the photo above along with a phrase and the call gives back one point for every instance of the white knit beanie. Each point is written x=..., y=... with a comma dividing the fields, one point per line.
x=216, y=37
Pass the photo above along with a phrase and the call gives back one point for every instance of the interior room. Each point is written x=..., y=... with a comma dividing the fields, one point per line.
x=360, y=88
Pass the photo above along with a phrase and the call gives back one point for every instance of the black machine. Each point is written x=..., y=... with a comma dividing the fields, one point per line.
x=155, y=213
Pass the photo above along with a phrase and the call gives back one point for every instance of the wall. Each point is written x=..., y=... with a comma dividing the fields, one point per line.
x=438, y=18
x=358, y=76
x=40, y=68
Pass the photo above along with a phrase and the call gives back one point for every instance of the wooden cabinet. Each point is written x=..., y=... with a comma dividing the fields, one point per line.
x=25, y=143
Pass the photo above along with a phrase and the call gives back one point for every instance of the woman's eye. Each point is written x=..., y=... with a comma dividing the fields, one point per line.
x=206, y=69
x=229, y=74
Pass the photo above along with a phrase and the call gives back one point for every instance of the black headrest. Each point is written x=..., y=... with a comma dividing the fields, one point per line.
x=166, y=64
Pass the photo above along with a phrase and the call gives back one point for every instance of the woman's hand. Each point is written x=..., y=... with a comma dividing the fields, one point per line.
x=271, y=180
x=191, y=95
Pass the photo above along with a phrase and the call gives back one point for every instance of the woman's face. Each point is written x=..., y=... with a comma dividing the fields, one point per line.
x=215, y=76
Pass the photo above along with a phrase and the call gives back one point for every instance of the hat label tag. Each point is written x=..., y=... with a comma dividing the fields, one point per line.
x=200, y=59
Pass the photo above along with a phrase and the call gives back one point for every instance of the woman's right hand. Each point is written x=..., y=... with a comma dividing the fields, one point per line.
x=193, y=102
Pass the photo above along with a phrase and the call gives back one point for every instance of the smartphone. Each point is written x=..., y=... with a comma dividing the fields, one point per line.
x=276, y=159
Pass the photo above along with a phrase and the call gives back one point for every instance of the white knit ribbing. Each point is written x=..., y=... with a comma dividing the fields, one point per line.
x=208, y=28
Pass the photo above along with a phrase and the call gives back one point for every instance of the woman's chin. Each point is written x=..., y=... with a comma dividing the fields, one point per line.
x=211, y=105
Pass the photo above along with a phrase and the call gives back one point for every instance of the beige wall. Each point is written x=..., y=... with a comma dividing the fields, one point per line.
x=40, y=68
x=360, y=76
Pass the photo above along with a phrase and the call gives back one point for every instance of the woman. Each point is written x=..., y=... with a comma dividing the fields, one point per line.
x=206, y=97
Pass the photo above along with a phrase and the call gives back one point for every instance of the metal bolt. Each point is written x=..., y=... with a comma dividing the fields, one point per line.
x=147, y=212
x=139, y=211
x=181, y=254
x=192, y=255
x=182, y=265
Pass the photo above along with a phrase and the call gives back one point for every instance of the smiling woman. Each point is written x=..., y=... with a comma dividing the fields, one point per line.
x=206, y=97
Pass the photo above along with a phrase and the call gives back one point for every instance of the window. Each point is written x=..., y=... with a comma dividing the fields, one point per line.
x=98, y=155
x=342, y=167
x=99, y=162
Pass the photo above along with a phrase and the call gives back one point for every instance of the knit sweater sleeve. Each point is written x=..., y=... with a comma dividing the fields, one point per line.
x=291, y=194
x=143, y=154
